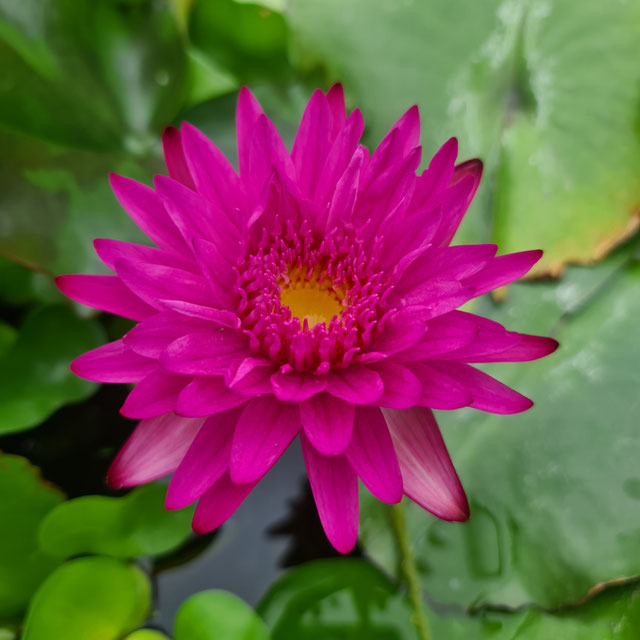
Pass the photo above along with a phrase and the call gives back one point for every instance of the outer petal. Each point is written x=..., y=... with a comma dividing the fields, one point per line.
x=328, y=423
x=107, y=293
x=265, y=429
x=373, y=457
x=488, y=394
x=154, y=395
x=247, y=115
x=335, y=489
x=502, y=270
x=154, y=449
x=297, y=387
x=428, y=475
x=440, y=389
x=207, y=395
x=402, y=389
x=111, y=250
x=251, y=376
x=219, y=503
x=335, y=99
x=356, y=384
x=205, y=462
x=436, y=178
x=174, y=157
x=401, y=331
x=113, y=362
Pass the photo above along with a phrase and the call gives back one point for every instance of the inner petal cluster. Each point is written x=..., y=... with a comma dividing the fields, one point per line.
x=309, y=303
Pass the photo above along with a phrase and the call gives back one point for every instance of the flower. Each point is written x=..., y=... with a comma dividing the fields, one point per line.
x=311, y=294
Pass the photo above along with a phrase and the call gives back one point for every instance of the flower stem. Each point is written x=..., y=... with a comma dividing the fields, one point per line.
x=409, y=570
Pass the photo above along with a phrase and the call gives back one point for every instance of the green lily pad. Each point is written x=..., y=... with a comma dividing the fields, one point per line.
x=25, y=498
x=89, y=598
x=218, y=615
x=344, y=598
x=551, y=109
x=128, y=527
x=554, y=491
x=35, y=379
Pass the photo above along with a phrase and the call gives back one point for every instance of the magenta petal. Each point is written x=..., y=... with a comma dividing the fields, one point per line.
x=328, y=423
x=334, y=485
x=526, y=348
x=147, y=210
x=205, y=354
x=401, y=331
x=440, y=390
x=219, y=316
x=297, y=387
x=488, y=394
x=373, y=457
x=335, y=100
x=205, y=461
x=247, y=115
x=153, y=450
x=402, y=389
x=428, y=476
x=265, y=429
x=113, y=362
x=106, y=293
x=250, y=376
x=436, y=178
x=154, y=395
x=502, y=270
x=345, y=194
x=174, y=157
x=217, y=271
x=356, y=384
x=112, y=250
x=219, y=503
x=207, y=395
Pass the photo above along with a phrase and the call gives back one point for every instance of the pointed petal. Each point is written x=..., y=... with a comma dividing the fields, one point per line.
x=402, y=389
x=153, y=450
x=222, y=317
x=435, y=179
x=401, y=331
x=111, y=250
x=502, y=270
x=251, y=376
x=247, y=115
x=328, y=423
x=356, y=384
x=113, y=362
x=219, y=503
x=107, y=293
x=373, y=457
x=428, y=475
x=334, y=485
x=335, y=99
x=174, y=157
x=205, y=462
x=440, y=390
x=297, y=387
x=265, y=429
x=207, y=395
x=154, y=395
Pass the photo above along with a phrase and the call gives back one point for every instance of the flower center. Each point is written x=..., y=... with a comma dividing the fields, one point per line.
x=313, y=298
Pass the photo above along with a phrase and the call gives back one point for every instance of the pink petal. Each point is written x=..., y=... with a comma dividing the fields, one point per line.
x=401, y=331
x=436, y=178
x=335, y=99
x=409, y=129
x=440, y=390
x=297, y=387
x=205, y=354
x=328, y=423
x=217, y=271
x=113, y=362
x=312, y=143
x=207, y=395
x=502, y=270
x=428, y=476
x=219, y=503
x=212, y=173
x=106, y=293
x=525, y=349
x=148, y=212
x=153, y=450
x=174, y=157
x=222, y=317
x=265, y=429
x=346, y=191
x=250, y=376
x=152, y=336
x=155, y=283
x=247, y=115
x=402, y=389
x=205, y=461
x=111, y=250
x=488, y=394
x=373, y=457
x=154, y=395
x=334, y=485
x=436, y=297
x=356, y=384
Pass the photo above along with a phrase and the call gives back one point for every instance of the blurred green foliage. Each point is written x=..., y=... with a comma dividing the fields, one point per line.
x=546, y=92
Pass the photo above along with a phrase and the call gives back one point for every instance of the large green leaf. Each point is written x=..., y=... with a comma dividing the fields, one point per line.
x=218, y=615
x=134, y=525
x=93, y=74
x=90, y=598
x=554, y=491
x=25, y=498
x=35, y=379
x=345, y=598
x=545, y=94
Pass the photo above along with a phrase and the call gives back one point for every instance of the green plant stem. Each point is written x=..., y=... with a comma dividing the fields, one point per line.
x=409, y=570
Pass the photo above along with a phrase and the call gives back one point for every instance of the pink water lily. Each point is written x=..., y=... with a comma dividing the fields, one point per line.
x=311, y=293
